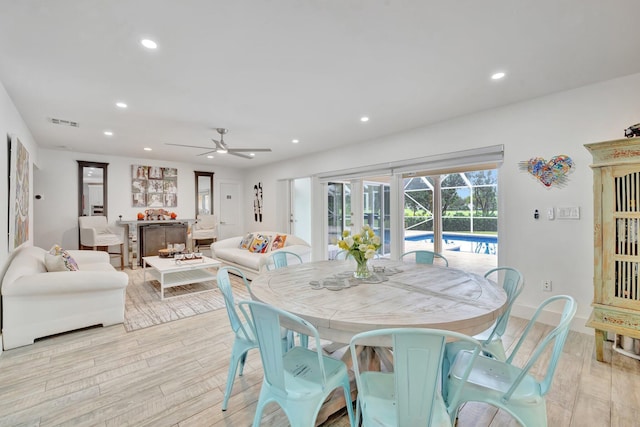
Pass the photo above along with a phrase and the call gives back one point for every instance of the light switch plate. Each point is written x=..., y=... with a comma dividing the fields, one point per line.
x=569, y=213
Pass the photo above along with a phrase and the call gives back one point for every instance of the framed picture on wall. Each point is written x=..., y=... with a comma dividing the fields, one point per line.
x=18, y=194
x=150, y=186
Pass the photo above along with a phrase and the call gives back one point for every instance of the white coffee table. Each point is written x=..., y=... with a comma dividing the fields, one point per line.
x=170, y=272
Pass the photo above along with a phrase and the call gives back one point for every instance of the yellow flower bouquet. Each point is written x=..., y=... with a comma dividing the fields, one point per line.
x=362, y=247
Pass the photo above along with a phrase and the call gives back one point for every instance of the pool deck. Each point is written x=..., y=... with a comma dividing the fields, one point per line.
x=475, y=262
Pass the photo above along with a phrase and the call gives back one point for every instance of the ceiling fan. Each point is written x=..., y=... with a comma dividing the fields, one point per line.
x=222, y=147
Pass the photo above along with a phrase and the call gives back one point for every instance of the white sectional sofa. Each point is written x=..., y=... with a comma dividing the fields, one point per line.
x=37, y=303
x=228, y=251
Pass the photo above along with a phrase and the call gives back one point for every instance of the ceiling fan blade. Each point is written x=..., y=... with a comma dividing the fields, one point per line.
x=244, y=156
x=207, y=152
x=249, y=150
x=190, y=146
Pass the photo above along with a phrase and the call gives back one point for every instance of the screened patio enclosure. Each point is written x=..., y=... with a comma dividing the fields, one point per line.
x=461, y=207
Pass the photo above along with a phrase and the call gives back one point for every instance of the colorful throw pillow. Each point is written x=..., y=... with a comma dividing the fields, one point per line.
x=57, y=259
x=278, y=241
x=260, y=244
x=246, y=241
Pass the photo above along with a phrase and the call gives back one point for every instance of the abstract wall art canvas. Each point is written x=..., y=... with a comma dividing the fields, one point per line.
x=18, y=194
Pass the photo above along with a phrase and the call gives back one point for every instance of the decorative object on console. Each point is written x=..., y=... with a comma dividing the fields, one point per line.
x=633, y=130
x=18, y=194
x=552, y=172
x=160, y=214
x=153, y=186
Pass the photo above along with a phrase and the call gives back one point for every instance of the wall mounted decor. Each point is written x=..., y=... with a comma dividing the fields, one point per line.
x=552, y=172
x=257, y=202
x=18, y=194
x=633, y=130
x=154, y=187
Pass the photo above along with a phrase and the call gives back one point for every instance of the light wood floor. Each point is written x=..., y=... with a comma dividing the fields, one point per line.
x=174, y=375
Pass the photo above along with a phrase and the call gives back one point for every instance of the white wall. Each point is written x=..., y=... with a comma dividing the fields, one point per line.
x=559, y=250
x=56, y=214
x=11, y=124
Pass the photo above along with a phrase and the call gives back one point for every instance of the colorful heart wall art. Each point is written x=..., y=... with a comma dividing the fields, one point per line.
x=552, y=172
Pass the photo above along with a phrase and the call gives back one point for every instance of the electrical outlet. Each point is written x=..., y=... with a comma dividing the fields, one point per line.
x=546, y=285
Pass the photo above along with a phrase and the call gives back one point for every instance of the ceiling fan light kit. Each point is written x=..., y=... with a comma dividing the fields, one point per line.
x=222, y=147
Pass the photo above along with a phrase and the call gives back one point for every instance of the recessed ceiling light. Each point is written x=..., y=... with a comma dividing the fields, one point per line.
x=209, y=157
x=121, y=105
x=149, y=44
x=148, y=149
x=295, y=141
x=108, y=133
x=252, y=154
x=364, y=119
x=498, y=76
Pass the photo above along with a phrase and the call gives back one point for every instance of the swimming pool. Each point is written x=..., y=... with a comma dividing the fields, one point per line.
x=478, y=243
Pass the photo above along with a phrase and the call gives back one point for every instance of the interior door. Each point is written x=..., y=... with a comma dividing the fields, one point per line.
x=230, y=222
x=300, y=215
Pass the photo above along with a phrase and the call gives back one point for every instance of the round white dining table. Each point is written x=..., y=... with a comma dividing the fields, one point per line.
x=403, y=295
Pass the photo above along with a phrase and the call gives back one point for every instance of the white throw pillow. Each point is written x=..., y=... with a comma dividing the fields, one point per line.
x=58, y=259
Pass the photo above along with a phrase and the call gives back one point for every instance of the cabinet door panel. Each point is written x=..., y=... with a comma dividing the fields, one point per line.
x=622, y=233
x=176, y=233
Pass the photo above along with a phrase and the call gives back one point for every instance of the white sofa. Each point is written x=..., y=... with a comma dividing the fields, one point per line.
x=228, y=251
x=37, y=303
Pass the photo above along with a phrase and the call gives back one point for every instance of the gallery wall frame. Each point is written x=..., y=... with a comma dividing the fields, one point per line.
x=154, y=186
x=19, y=172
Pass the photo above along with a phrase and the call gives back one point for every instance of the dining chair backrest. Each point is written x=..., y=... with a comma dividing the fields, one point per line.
x=558, y=336
x=244, y=336
x=224, y=284
x=417, y=363
x=425, y=257
x=266, y=323
x=507, y=385
x=281, y=258
x=342, y=254
x=512, y=284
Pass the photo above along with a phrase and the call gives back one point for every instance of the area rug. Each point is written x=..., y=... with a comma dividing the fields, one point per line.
x=144, y=308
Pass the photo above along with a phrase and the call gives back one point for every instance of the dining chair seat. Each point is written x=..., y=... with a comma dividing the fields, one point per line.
x=299, y=380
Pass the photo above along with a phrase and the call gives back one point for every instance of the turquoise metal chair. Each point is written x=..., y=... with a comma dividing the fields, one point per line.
x=280, y=259
x=506, y=386
x=491, y=339
x=245, y=339
x=426, y=257
x=299, y=380
x=410, y=395
x=342, y=255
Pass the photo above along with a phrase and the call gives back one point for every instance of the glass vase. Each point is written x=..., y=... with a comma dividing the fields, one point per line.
x=362, y=269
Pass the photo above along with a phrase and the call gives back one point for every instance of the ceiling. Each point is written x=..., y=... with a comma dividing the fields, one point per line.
x=273, y=71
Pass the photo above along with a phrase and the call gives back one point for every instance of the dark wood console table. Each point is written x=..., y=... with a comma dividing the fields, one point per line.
x=148, y=236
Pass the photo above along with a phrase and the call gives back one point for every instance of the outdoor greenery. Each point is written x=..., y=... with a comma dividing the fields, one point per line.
x=459, y=193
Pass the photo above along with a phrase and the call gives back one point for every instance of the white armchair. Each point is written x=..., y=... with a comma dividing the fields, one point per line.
x=95, y=234
x=205, y=228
